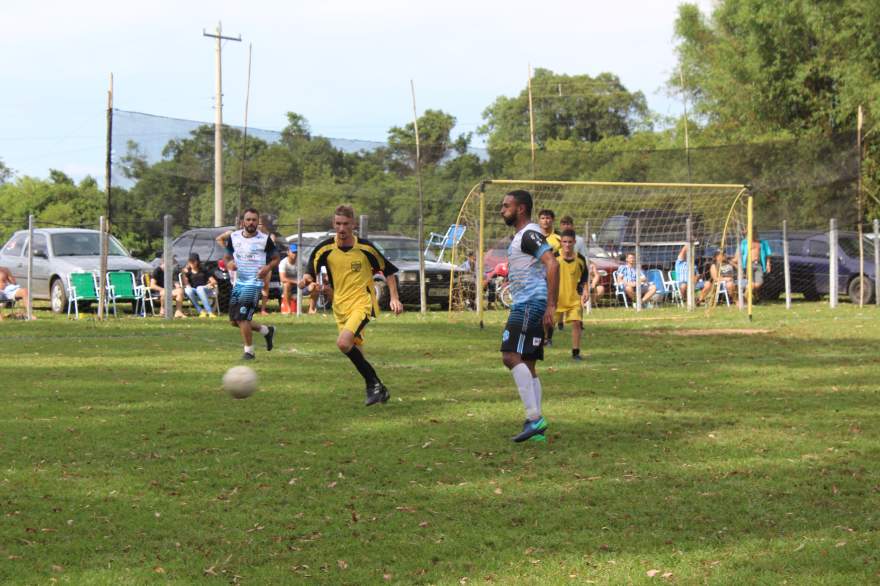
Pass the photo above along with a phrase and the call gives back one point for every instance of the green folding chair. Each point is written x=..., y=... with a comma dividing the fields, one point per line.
x=121, y=286
x=80, y=287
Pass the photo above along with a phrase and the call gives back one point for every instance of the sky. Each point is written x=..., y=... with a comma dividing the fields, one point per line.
x=346, y=65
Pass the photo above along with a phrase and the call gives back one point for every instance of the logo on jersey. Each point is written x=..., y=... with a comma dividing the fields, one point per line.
x=356, y=266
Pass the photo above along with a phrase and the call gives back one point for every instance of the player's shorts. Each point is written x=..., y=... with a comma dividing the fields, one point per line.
x=757, y=274
x=8, y=292
x=524, y=332
x=569, y=314
x=355, y=320
x=244, y=301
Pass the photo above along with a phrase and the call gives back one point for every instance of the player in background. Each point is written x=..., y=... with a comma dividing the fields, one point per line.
x=252, y=254
x=573, y=290
x=534, y=284
x=545, y=221
x=350, y=263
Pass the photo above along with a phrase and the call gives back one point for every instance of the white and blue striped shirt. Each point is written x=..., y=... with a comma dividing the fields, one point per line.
x=250, y=254
x=526, y=271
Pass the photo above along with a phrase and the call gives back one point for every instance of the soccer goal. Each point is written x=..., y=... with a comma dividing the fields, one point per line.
x=652, y=221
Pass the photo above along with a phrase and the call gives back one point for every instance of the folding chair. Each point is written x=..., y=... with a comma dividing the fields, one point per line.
x=721, y=289
x=619, y=288
x=673, y=288
x=121, y=286
x=445, y=241
x=147, y=296
x=81, y=287
x=211, y=291
x=655, y=277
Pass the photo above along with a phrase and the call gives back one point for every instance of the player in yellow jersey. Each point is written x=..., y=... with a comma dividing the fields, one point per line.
x=573, y=292
x=350, y=263
x=545, y=221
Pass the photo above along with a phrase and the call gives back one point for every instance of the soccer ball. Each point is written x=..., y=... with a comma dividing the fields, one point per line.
x=240, y=382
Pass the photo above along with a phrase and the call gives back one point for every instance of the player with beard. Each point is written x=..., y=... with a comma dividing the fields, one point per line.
x=534, y=285
x=252, y=254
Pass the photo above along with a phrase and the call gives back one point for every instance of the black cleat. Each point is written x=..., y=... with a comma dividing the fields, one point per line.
x=531, y=429
x=376, y=393
x=248, y=356
x=576, y=358
x=270, y=336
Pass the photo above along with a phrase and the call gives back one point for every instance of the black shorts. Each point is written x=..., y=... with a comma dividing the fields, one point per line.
x=524, y=332
x=244, y=302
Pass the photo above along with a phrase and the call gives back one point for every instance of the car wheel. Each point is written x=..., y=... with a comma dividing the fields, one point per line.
x=58, y=296
x=812, y=295
x=855, y=288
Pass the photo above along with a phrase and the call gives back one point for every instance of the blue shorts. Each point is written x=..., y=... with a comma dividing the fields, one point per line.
x=244, y=301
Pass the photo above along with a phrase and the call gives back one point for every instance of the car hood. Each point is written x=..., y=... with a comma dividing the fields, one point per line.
x=430, y=266
x=71, y=264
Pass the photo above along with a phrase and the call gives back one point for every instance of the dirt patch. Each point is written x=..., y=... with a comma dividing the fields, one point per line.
x=716, y=332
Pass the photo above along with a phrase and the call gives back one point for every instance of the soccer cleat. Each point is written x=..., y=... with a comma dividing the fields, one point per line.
x=577, y=358
x=203, y=315
x=530, y=429
x=539, y=438
x=270, y=336
x=248, y=356
x=376, y=393
x=548, y=342
x=212, y=315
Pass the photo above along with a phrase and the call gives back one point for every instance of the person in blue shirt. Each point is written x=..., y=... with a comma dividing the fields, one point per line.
x=760, y=259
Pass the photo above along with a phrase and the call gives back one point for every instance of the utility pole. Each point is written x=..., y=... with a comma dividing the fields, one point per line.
x=218, y=123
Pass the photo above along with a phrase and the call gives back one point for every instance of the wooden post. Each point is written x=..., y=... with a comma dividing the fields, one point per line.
x=363, y=226
x=423, y=305
x=859, y=215
x=748, y=260
x=102, y=268
x=30, y=269
x=531, y=121
x=876, y=262
x=691, y=286
x=589, y=274
x=480, y=268
x=168, y=283
x=785, y=264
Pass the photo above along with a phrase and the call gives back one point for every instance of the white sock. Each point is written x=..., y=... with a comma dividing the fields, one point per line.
x=536, y=388
x=264, y=330
x=249, y=349
x=523, y=379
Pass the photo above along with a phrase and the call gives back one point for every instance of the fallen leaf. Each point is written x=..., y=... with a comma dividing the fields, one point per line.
x=343, y=565
x=423, y=524
x=652, y=573
x=57, y=568
x=159, y=570
x=497, y=491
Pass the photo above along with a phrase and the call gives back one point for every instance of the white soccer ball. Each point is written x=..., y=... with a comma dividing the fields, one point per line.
x=240, y=382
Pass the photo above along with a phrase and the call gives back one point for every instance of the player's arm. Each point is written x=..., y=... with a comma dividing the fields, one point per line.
x=551, y=267
x=390, y=272
x=228, y=250
x=311, y=267
x=222, y=238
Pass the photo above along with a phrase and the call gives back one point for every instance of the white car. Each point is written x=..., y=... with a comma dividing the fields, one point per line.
x=59, y=252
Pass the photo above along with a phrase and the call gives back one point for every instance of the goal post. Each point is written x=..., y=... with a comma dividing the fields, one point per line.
x=652, y=220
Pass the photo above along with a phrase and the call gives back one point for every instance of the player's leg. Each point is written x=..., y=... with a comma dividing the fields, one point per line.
x=264, y=294
x=351, y=327
x=521, y=345
x=177, y=296
x=575, y=317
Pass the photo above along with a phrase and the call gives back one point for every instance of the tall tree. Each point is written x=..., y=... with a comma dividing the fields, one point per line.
x=435, y=141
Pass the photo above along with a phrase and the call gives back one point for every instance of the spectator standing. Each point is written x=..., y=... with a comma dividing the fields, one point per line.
x=760, y=259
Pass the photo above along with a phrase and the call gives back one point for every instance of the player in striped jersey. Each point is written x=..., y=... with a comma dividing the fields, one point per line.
x=252, y=254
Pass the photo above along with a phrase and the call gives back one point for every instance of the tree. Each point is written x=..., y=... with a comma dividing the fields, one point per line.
x=5, y=173
x=577, y=108
x=435, y=141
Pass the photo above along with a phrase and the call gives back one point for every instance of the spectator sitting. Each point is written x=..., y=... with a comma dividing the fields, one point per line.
x=287, y=271
x=10, y=290
x=597, y=291
x=318, y=290
x=157, y=282
x=199, y=285
x=681, y=276
x=631, y=277
x=722, y=274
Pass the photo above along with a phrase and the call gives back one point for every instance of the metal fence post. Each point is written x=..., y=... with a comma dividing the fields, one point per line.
x=637, y=292
x=363, y=226
x=785, y=264
x=832, y=264
x=589, y=274
x=30, y=269
x=102, y=269
x=691, y=286
x=876, y=261
x=299, y=265
x=423, y=301
x=169, y=268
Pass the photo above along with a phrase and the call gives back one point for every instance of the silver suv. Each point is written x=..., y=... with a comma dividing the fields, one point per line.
x=59, y=252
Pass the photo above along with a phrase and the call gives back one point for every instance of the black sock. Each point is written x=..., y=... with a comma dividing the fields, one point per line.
x=363, y=367
x=575, y=351
x=550, y=333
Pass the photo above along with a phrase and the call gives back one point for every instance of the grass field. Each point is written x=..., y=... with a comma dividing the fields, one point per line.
x=684, y=449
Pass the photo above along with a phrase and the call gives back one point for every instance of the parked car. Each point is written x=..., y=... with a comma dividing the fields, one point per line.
x=203, y=241
x=659, y=230
x=404, y=253
x=59, y=252
x=809, y=265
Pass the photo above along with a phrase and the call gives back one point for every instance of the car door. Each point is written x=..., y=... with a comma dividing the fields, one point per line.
x=818, y=262
x=41, y=270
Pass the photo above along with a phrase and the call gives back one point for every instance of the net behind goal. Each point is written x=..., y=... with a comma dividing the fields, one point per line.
x=650, y=220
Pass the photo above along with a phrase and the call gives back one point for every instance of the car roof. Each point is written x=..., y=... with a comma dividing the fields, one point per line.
x=60, y=231
x=214, y=231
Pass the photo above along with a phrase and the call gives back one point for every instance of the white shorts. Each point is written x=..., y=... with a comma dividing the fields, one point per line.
x=9, y=292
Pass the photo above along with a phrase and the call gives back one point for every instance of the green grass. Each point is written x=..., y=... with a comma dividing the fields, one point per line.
x=719, y=458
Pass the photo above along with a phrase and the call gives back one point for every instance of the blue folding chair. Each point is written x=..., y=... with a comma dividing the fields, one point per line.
x=655, y=277
x=445, y=241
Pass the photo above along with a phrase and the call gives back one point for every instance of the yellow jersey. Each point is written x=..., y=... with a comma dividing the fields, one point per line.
x=554, y=240
x=572, y=277
x=350, y=271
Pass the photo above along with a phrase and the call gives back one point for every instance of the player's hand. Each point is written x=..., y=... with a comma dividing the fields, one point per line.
x=264, y=270
x=305, y=282
x=396, y=306
x=550, y=317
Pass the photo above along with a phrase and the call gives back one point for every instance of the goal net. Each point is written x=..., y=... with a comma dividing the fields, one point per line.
x=651, y=221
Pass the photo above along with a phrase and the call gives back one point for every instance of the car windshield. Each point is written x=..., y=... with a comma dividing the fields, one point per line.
x=83, y=244
x=850, y=247
x=396, y=249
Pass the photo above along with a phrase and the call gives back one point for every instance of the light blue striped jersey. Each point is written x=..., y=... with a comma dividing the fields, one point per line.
x=250, y=254
x=525, y=269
